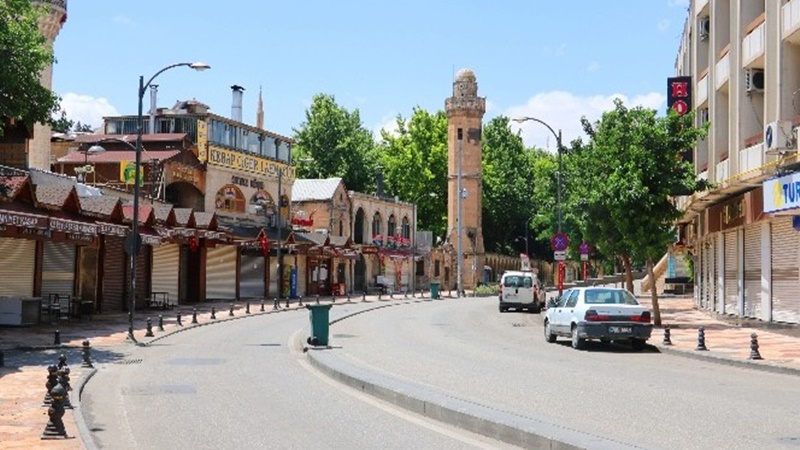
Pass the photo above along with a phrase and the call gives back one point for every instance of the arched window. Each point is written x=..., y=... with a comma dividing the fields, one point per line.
x=406, y=228
x=229, y=199
x=376, y=228
x=391, y=226
x=262, y=198
x=341, y=228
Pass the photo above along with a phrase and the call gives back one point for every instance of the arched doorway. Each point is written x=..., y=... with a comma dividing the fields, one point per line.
x=358, y=227
x=184, y=195
x=360, y=274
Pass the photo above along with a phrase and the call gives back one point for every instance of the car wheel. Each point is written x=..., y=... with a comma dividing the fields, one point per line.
x=638, y=344
x=577, y=342
x=548, y=334
x=501, y=308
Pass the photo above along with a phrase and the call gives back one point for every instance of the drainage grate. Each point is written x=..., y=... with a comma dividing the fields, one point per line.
x=518, y=325
x=130, y=361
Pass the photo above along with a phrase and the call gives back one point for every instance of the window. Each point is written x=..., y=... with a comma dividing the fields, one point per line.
x=573, y=299
x=609, y=297
x=563, y=300
x=376, y=225
x=406, y=228
x=341, y=228
x=391, y=226
x=229, y=198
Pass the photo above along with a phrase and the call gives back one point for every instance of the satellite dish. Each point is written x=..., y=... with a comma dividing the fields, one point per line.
x=88, y=169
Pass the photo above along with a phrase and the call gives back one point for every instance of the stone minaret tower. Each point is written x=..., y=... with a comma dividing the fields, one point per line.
x=260, y=111
x=49, y=25
x=465, y=114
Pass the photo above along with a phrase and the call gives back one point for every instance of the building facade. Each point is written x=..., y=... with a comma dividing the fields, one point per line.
x=742, y=63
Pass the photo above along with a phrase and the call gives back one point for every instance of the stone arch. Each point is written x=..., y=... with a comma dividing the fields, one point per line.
x=182, y=194
x=229, y=198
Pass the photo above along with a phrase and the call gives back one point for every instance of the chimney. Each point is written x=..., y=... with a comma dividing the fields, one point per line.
x=260, y=111
x=379, y=181
x=236, y=106
x=153, y=107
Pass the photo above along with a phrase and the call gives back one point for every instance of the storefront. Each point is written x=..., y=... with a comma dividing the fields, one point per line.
x=165, y=272
x=221, y=272
x=18, y=234
x=781, y=197
x=252, y=273
x=114, y=262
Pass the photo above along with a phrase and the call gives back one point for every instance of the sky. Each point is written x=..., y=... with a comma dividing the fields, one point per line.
x=554, y=60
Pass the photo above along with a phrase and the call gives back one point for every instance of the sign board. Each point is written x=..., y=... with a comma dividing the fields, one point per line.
x=559, y=241
x=584, y=248
x=560, y=255
x=782, y=193
x=584, y=257
x=127, y=172
x=525, y=261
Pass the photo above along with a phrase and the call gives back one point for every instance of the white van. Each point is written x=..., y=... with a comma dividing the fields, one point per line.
x=520, y=290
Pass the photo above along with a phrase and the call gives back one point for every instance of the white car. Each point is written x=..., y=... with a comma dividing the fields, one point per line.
x=604, y=313
x=520, y=290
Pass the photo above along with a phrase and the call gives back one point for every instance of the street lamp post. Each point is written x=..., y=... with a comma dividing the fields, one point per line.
x=135, y=238
x=558, y=180
x=414, y=240
x=93, y=150
x=459, y=240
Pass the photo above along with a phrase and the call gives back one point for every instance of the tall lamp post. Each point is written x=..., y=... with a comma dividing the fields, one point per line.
x=414, y=240
x=558, y=178
x=135, y=238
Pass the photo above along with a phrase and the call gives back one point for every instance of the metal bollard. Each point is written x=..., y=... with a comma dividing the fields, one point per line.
x=349, y=294
x=262, y=305
x=57, y=337
x=194, y=315
x=667, y=339
x=317, y=296
x=364, y=296
x=275, y=304
x=247, y=308
x=160, y=322
x=149, y=328
x=180, y=322
x=754, y=353
x=213, y=313
x=230, y=312
x=62, y=361
x=55, y=425
x=333, y=299
x=301, y=301
x=86, y=353
x=379, y=294
x=701, y=339
x=52, y=381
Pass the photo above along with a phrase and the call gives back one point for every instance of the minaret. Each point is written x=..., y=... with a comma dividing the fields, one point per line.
x=260, y=111
x=49, y=25
x=465, y=117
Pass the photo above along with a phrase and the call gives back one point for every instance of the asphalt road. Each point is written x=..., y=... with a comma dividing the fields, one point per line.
x=245, y=384
x=466, y=348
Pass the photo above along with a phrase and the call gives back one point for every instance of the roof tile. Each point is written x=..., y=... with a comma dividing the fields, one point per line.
x=305, y=190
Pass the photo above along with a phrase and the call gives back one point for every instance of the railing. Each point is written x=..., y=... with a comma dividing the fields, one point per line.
x=753, y=45
x=750, y=159
x=790, y=17
x=723, y=170
x=722, y=71
x=702, y=90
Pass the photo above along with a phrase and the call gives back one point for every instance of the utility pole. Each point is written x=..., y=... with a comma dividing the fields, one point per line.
x=460, y=251
x=280, y=233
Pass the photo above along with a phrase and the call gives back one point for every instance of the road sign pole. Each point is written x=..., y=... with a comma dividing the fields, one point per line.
x=584, y=270
x=560, y=278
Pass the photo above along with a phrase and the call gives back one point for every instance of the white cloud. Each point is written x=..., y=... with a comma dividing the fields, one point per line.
x=663, y=25
x=593, y=67
x=87, y=109
x=120, y=19
x=388, y=123
x=563, y=110
x=559, y=50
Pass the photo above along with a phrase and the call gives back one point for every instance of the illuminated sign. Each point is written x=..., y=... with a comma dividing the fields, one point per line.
x=782, y=193
x=248, y=163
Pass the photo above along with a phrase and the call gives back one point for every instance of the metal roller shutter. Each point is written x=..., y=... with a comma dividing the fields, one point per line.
x=712, y=274
x=251, y=276
x=731, y=275
x=17, y=267
x=115, y=262
x=58, y=269
x=221, y=273
x=708, y=279
x=164, y=273
x=752, y=270
x=785, y=272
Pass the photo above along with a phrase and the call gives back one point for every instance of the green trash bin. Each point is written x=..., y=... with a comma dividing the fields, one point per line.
x=319, y=315
x=434, y=290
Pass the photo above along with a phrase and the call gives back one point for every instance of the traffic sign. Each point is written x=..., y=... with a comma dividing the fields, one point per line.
x=584, y=257
x=584, y=248
x=559, y=241
x=560, y=255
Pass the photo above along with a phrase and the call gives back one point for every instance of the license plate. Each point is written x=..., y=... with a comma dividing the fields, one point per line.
x=618, y=330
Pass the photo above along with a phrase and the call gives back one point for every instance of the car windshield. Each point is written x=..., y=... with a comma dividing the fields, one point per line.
x=518, y=281
x=609, y=297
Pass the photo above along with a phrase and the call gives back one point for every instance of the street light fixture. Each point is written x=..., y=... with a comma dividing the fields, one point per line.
x=83, y=171
x=560, y=170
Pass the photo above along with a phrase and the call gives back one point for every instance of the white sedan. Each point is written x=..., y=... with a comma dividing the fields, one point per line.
x=607, y=314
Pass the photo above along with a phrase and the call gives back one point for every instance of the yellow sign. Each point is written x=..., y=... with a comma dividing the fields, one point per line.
x=248, y=163
x=127, y=172
x=202, y=140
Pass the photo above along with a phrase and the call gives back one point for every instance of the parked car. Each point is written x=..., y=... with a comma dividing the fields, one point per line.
x=604, y=313
x=520, y=290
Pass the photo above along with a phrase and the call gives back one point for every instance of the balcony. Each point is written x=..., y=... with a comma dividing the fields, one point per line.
x=722, y=71
x=753, y=44
x=723, y=170
x=699, y=5
x=750, y=161
x=702, y=89
x=790, y=19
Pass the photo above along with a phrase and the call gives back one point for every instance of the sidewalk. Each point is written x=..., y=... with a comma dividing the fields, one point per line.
x=29, y=350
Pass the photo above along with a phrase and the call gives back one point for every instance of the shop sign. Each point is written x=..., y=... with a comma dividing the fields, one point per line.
x=150, y=240
x=183, y=232
x=111, y=229
x=23, y=220
x=244, y=182
x=248, y=163
x=182, y=172
x=733, y=212
x=35, y=232
x=369, y=250
x=80, y=238
x=70, y=226
x=782, y=193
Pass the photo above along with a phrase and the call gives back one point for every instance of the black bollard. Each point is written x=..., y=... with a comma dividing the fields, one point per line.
x=160, y=322
x=180, y=322
x=287, y=302
x=380, y=292
x=194, y=315
x=300, y=300
x=62, y=361
x=63, y=380
x=349, y=295
x=213, y=313
x=57, y=338
x=247, y=308
x=754, y=353
x=55, y=425
x=275, y=304
x=701, y=339
x=262, y=305
x=52, y=381
x=230, y=312
x=364, y=296
x=667, y=339
x=333, y=299
x=86, y=350
x=149, y=328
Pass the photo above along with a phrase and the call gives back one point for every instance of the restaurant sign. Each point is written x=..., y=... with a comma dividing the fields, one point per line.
x=248, y=163
x=71, y=226
x=111, y=229
x=23, y=220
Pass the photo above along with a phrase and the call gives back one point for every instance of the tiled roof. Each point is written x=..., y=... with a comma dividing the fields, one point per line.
x=183, y=216
x=39, y=177
x=339, y=241
x=204, y=219
x=305, y=190
x=101, y=205
x=145, y=213
x=53, y=195
x=131, y=138
x=315, y=238
x=10, y=185
x=162, y=212
x=115, y=156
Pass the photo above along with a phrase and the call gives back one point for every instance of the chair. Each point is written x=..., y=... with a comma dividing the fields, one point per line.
x=64, y=306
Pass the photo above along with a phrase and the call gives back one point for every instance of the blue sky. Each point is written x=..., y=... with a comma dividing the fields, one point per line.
x=555, y=60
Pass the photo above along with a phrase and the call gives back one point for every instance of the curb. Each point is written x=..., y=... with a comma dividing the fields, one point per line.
x=747, y=364
x=77, y=412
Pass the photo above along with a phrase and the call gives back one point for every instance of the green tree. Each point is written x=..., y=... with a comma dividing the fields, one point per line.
x=25, y=53
x=414, y=160
x=332, y=142
x=83, y=127
x=624, y=179
x=62, y=124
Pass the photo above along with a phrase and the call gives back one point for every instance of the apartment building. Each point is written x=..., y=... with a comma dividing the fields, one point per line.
x=743, y=60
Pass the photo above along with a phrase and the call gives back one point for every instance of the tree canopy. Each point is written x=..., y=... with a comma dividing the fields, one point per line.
x=25, y=54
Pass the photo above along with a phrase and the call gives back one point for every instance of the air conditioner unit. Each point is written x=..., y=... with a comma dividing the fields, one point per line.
x=753, y=80
x=704, y=27
x=778, y=137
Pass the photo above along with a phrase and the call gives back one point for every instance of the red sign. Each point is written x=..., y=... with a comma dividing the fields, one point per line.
x=679, y=94
x=560, y=242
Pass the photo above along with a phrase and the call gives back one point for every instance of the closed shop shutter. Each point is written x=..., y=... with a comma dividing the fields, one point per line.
x=115, y=263
x=251, y=276
x=164, y=273
x=731, y=274
x=17, y=267
x=142, y=276
x=785, y=272
x=221, y=272
x=58, y=269
x=708, y=266
x=752, y=270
